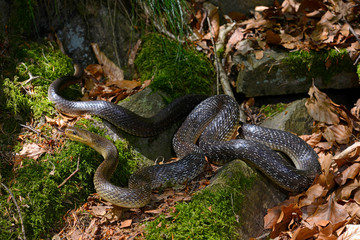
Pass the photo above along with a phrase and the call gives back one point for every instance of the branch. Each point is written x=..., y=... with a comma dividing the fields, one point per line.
x=72, y=174
x=221, y=75
x=17, y=208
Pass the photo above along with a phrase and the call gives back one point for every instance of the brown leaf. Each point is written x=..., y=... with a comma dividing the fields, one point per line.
x=349, y=173
x=126, y=223
x=342, y=133
x=320, y=107
x=304, y=233
x=124, y=84
x=99, y=210
x=95, y=70
x=31, y=150
x=133, y=52
x=313, y=192
x=213, y=15
x=288, y=213
x=236, y=37
x=110, y=69
x=312, y=139
x=332, y=211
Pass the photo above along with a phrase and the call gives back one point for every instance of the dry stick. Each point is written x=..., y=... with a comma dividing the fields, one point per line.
x=221, y=75
x=72, y=174
x=17, y=208
x=347, y=151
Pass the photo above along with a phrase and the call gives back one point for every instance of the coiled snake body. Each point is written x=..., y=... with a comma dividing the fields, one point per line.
x=211, y=124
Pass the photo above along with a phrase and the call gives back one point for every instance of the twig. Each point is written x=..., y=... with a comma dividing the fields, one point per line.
x=31, y=77
x=221, y=75
x=36, y=131
x=72, y=174
x=17, y=208
x=347, y=151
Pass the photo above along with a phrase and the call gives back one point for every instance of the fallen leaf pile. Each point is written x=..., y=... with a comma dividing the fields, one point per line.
x=330, y=208
x=105, y=81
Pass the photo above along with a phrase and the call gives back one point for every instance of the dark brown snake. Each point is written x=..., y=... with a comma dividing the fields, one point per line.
x=211, y=124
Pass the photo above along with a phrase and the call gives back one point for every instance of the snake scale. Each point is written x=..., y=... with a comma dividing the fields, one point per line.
x=206, y=133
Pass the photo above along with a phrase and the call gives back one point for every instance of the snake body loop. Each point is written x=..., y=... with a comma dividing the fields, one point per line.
x=211, y=124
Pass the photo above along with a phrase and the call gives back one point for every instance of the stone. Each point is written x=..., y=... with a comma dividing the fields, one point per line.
x=147, y=103
x=270, y=76
x=97, y=22
x=294, y=118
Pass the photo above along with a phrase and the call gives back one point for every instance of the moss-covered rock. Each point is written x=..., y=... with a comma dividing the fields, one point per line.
x=283, y=73
x=174, y=69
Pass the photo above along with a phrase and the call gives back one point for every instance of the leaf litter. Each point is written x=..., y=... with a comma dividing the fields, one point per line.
x=332, y=203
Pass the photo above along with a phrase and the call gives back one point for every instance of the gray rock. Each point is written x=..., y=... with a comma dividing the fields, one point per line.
x=94, y=22
x=270, y=76
x=147, y=103
x=294, y=118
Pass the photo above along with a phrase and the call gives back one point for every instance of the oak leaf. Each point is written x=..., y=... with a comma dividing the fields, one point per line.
x=320, y=107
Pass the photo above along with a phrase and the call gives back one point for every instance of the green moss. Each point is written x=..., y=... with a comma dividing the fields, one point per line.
x=358, y=71
x=175, y=69
x=35, y=186
x=209, y=215
x=21, y=100
x=272, y=109
x=325, y=64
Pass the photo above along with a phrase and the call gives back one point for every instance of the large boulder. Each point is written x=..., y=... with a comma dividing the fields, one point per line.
x=271, y=75
x=146, y=104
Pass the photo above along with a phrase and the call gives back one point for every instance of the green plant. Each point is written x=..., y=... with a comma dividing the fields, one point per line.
x=167, y=15
x=209, y=215
x=23, y=100
x=175, y=69
x=272, y=109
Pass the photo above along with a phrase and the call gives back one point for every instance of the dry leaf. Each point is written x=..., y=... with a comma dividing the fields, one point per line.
x=314, y=192
x=342, y=133
x=133, y=52
x=124, y=84
x=332, y=211
x=112, y=71
x=320, y=107
x=213, y=15
x=31, y=150
x=126, y=223
x=95, y=70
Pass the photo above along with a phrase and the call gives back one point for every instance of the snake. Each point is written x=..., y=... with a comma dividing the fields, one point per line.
x=206, y=134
